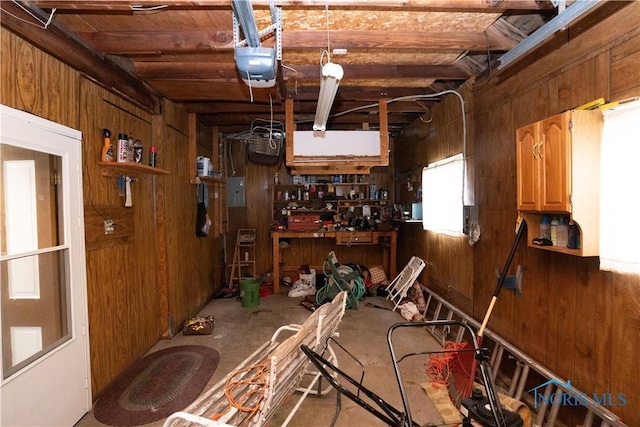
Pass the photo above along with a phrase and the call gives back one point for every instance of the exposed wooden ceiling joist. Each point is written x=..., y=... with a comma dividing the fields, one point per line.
x=184, y=51
x=127, y=5
x=166, y=41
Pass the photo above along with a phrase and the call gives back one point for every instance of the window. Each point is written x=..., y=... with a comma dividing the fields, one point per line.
x=619, y=203
x=442, y=201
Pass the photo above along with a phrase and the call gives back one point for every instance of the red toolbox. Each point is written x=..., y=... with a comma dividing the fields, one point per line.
x=304, y=222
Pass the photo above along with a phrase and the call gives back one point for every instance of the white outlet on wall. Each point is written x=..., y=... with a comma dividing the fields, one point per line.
x=470, y=215
x=108, y=226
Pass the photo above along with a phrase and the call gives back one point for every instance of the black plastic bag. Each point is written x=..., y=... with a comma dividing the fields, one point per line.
x=202, y=218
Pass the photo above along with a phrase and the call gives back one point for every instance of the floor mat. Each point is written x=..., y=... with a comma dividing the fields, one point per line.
x=157, y=385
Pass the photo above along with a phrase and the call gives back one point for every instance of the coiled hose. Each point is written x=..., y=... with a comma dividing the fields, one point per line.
x=356, y=291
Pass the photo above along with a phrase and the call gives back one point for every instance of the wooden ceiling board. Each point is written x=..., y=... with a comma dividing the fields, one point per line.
x=159, y=20
x=395, y=20
x=373, y=57
x=184, y=52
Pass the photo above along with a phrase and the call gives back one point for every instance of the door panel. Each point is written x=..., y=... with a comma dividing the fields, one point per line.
x=527, y=170
x=43, y=308
x=555, y=160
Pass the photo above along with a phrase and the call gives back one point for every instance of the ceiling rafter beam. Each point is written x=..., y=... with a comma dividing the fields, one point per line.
x=474, y=5
x=225, y=71
x=145, y=42
x=236, y=119
x=305, y=107
x=205, y=91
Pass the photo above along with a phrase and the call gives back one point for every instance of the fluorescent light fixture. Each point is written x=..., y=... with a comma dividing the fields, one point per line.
x=570, y=14
x=244, y=14
x=331, y=75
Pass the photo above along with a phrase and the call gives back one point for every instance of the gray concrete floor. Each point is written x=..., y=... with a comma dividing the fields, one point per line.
x=239, y=331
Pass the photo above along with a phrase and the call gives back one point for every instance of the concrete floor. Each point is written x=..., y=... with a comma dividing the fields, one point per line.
x=239, y=331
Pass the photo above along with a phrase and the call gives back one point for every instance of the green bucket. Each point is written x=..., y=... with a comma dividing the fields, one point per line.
x=250, y=292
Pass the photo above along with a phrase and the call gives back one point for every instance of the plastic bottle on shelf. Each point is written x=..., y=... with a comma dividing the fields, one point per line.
x=122, y=148
x=153, y=156
x=554, y=231
x=562, y=233
x=130, y=143
x=107, y=148
x=137, y=151
x=545, y=228
x=573, y=235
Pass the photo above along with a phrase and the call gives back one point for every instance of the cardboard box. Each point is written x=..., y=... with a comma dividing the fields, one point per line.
x=199, y=326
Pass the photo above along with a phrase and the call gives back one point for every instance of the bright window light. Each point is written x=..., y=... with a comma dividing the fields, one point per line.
x=620, y=152
x=442, y=191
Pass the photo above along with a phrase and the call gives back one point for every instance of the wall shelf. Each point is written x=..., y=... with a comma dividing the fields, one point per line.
x=303, y=199
x=129, y=169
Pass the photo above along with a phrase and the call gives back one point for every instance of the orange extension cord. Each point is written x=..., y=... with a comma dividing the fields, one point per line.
x=438, y=366
x=256, y=383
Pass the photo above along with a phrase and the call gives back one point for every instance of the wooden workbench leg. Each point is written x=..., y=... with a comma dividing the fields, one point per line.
x=393, y=254
x=276, y=262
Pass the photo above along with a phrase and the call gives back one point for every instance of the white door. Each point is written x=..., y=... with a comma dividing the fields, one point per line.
x=45, y=377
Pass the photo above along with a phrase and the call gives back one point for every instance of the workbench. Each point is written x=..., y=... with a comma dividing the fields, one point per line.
x=386, y=239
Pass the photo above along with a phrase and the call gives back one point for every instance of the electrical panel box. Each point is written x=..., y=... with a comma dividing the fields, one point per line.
x=235, y=192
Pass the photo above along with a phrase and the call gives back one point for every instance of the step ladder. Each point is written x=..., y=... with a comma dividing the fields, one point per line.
x=244, y=256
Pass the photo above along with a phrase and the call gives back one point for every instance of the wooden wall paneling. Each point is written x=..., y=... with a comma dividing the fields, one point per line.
x=579, y=48
x=236, y=167
x=495, y=153
x=603, y=76
x=174, y=116
x=28, y=60
x=588, y=289
x=94, y=217
x=536, y=298
x=563, y=278
x=525, y=322
x=568, y=308
x=258, y=182
x=192, y=261
x=568, y=315
x=625, y=354
x=625, y=62
x=583, y=87
x=160, y=232
x=369, y=256
x=106, y=357
x=603, y=331
x=180, y=226
x=449, y=259
x=313, y=252
x=543, y=102
x=559, y=98
x=35, y=82
x=121, y=282
x=410, y=159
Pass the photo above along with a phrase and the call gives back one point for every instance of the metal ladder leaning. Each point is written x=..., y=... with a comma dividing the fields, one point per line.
x=546, y=412
x=244, y=256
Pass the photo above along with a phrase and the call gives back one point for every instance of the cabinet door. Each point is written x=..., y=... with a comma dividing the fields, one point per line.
x=527, y=167
x=555, y=155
